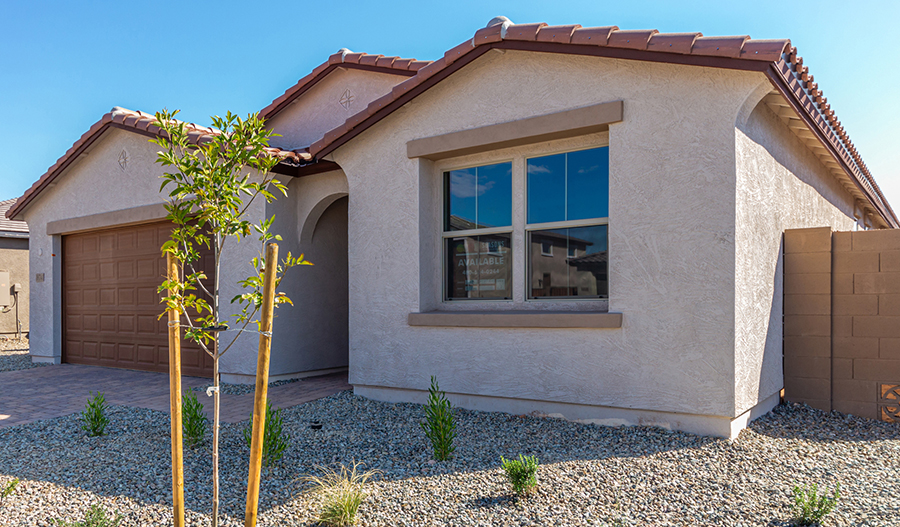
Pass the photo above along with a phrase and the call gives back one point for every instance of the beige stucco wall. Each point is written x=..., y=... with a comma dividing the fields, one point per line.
x=319, y=109
x=671, y=242
x=781, y=185
x=14, y=258
x=97, y=184
x=312, y=334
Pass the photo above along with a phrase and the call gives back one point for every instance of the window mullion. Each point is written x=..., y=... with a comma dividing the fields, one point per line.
x=477, y=225
x=566, y=187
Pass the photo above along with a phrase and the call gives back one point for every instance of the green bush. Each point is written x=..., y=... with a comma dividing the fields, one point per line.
x=341, y=493
x=194, y=421
x=93, y=418
x=809, y=507
x=7, y=490
x=275, y=438
x=95, y=517
x=521, y=473
x=439, y=425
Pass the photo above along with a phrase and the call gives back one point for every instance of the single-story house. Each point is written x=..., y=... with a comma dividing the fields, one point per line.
x=13, y=273
x=573, y=221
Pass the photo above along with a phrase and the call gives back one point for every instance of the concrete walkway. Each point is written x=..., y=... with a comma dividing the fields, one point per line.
x=54, y=391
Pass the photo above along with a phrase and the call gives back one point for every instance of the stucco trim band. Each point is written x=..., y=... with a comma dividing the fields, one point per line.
x=560, y=125
x=517, y=319
x=116, y=218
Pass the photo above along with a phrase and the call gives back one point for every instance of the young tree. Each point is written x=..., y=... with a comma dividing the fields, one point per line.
x=213, y=178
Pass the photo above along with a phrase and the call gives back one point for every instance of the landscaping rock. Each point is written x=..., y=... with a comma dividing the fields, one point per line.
x=14, y=355
x=589, y=475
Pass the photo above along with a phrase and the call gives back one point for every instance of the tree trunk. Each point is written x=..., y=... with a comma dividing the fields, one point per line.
x=215, y=445
x=215, y=453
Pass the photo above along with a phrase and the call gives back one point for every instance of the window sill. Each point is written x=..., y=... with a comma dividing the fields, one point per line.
x=517, y=319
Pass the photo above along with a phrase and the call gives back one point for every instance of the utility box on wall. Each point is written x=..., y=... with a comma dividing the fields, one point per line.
x=4, y=288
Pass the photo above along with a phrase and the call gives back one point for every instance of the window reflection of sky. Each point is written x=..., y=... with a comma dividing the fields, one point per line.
x=482, y=195
x=571, y=186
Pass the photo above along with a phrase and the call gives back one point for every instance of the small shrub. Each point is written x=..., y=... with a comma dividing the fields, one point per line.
x=809, y=507
x=194, y=421
x=93, y=418
x=521, y=473
x=7, y=490
x=439, y=425
x=275, y=438
x=341, y=493
x=95, y=517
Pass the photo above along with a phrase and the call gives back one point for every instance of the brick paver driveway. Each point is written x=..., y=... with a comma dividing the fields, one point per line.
x=54, y=391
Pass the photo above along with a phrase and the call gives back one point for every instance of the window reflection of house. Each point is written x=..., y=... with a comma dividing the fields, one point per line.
x=576, y=267
x=479, y=266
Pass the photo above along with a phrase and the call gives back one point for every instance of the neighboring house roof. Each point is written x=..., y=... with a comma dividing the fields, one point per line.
x=344, y=59
x=132, y=121
x=775, y=58
x=11, y=228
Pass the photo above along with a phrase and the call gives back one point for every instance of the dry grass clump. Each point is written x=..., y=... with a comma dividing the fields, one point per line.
x=340, y=492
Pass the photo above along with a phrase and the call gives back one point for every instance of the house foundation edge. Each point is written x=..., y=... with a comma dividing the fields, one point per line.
x=705, y=425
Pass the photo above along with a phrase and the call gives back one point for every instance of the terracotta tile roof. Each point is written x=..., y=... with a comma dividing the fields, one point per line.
x=10, y=226
x=500, y=30
x=133, y=121
x=811, y=99
x=346, y=59
x=773, y=57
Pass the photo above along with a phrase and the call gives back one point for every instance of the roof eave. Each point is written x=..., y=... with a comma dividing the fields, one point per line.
x=296, y=91
x=383, y=107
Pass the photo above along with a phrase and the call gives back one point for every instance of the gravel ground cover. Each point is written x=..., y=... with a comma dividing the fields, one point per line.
x=14, y=355
x=589, y=475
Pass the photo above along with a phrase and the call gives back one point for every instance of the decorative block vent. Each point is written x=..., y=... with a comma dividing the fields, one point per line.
x=889, y=403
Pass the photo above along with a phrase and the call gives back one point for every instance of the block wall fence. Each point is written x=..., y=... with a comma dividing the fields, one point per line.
x=842, y=321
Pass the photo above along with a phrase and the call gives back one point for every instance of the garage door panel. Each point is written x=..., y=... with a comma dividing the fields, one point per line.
x=107, y=297
x=107, y=351
x=125, y=241
x=126, y=296
x=107, y=243
x=147, y=237
x=107, y=271
x=86, y=244
x=107, y=323
x=74, y=273
x=146, y=268
x=90, y=297
x=126, y=353
x=90, y=350
x=75, y=348
x=147, y=296
x=147, y=324
x=112, y=304
x=90, y=271
x=126, y=324
x=74, y=298
x=192, y=358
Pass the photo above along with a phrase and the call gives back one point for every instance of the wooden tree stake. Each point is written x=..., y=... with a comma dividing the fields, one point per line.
x=262, y=385
x=175, y=402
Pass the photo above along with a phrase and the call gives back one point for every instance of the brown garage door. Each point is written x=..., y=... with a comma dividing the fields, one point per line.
x=111, y=305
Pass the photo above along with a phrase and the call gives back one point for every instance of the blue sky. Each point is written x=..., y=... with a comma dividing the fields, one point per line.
x=64, y=64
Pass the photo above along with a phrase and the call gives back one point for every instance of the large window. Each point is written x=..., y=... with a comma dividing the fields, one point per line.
x=565, y=211
x=478, y=232
x=568, y=210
